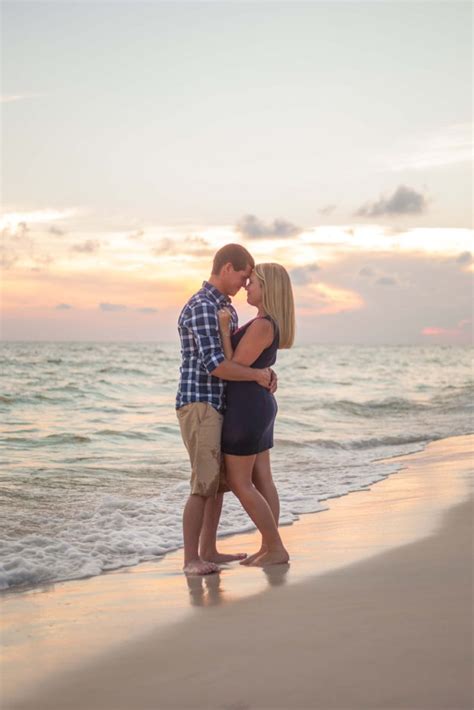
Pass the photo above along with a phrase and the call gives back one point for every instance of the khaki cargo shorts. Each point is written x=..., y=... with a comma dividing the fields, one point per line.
x=201, y=427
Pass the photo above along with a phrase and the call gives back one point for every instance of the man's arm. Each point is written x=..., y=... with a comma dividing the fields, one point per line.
x=229, y=370
x=204, y=325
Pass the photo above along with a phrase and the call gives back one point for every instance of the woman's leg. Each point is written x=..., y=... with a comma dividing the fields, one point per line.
x=263, y=481
x=239, y=478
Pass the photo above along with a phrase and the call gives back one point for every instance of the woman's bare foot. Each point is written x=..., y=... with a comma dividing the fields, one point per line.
x=200, y=567
x=248, y=560
x=278, y=557
x=221, y=558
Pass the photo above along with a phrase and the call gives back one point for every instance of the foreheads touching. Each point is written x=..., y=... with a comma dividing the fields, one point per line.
x=231, y=268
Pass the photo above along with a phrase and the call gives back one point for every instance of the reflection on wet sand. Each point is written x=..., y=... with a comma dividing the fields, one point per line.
x=276, y=574
x=205, y=590
x=208, y=590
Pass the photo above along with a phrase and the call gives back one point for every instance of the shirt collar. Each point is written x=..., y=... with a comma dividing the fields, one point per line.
x=219, y=297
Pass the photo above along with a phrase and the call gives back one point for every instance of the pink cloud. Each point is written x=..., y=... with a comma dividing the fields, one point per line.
x=456, y=332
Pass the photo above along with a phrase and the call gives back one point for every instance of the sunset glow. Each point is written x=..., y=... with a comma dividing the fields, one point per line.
x=117, y=196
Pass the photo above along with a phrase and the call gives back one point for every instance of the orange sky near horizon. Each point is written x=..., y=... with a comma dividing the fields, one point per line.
x=85, y=284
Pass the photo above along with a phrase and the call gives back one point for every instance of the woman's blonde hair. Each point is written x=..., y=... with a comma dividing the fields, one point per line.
x=278, y=300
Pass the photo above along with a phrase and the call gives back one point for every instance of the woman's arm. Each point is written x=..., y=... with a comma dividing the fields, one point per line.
x=224, y=329
x=259, y=335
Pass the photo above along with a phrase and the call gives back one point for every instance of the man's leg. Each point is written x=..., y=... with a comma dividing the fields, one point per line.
x=192, y=524
x=208, y=549
x=201, y=427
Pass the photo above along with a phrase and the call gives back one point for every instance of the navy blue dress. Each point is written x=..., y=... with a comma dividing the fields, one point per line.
x=251, y=409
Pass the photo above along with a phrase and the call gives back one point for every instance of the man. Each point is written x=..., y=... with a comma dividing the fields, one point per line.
x=200, y=403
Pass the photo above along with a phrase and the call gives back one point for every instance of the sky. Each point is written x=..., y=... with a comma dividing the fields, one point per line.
x=334, y=138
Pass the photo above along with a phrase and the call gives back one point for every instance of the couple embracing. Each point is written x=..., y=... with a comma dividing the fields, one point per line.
x=225, y=404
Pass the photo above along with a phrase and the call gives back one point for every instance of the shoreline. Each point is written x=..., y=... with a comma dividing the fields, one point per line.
x=222, y=538
x=153, y=599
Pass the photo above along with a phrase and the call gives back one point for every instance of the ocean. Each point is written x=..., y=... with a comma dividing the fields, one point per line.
x=94, y=475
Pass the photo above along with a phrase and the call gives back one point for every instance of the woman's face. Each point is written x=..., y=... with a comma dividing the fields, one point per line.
x=254, y=290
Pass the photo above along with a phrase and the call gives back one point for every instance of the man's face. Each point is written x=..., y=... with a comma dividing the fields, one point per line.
x=235, y=280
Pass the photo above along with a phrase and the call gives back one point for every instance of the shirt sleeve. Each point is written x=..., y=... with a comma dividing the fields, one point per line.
x=203, y=323
x=234, y=318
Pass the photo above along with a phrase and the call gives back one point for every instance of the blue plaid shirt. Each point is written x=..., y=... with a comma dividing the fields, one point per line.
x=201, y=348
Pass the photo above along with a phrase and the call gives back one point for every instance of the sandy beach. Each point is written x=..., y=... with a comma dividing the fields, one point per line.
x=236, y=226
x=375, y=611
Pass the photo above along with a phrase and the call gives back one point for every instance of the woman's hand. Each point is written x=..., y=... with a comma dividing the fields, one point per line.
x=263, y=377
x=224, y=318
x=273, y=382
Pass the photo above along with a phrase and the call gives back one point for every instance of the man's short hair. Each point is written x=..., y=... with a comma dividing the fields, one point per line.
x=236, y=254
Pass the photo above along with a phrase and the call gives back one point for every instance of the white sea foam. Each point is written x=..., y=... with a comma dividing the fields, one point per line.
x=95, y=477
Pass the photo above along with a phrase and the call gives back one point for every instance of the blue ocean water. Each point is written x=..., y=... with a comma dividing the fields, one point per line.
x=94, y=475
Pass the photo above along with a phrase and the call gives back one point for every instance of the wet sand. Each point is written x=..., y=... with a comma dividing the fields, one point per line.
x=375, y=611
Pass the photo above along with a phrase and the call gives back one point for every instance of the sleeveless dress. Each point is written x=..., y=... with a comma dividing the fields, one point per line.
x=251, y=409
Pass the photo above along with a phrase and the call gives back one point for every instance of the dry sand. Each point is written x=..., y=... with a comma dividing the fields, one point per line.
x=391, y=631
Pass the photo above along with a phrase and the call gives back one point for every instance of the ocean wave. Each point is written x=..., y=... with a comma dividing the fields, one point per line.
x=374, y=407
x=455, y=398
x=125, y=434
x=124, y=371
x=12, y=399
x=375, y=442
x=50, y=440
x=115, y=533
x=111, y=532
x=67, y=393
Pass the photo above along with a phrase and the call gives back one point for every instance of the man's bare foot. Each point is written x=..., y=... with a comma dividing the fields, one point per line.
x=280, y=557
x=200, y=567
x=248, y=560
x=221, y=558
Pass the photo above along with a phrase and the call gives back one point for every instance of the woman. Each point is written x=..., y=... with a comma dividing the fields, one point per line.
x=247, y=433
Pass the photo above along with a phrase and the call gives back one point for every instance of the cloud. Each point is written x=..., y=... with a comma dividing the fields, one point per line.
x=18, y=232
x=429, y=292
x=458, y=330
x=147, y=310
x=192, y=246
x=19, y=246
x=137, y=235
x=302, y=275
x=88, y=247
x=112, y=307
x=386, y=281
x=55, y=230
x=42, y=259
x=464, y=258
x=368, y=272
x=7, y=258
x=63, y=307
x=446, y=146
x=405, y=200
x=9, y=98
x=253, y=228
x=11, y=220
x=326, y=299
x=329, y=209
